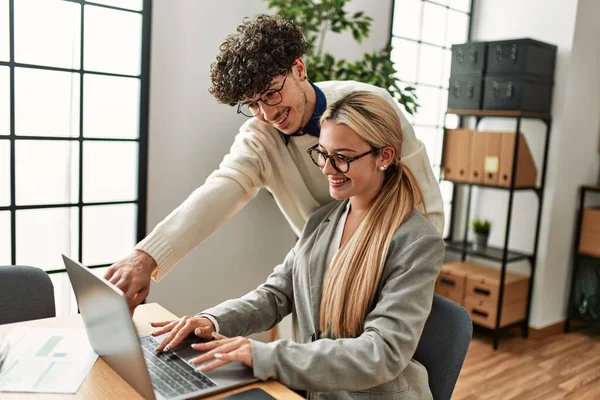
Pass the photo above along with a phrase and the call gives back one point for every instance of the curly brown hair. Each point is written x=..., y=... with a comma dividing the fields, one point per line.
x=249, y=59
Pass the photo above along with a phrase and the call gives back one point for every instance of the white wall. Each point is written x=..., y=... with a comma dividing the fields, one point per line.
x=190, y=133
x=572, y=158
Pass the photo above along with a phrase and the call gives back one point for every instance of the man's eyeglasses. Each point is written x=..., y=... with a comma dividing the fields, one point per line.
x=271, y=97
x=339, y=162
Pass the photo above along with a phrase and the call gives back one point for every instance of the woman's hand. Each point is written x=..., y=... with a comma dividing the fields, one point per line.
x=180, y=328
x=224, y=350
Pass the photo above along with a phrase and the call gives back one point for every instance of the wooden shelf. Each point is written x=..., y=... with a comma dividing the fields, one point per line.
x=489, y=253
x=499, y=113
x=591, y=188
x=533, y=188
x=580, y=254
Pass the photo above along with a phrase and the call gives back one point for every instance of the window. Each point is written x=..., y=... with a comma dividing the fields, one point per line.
x=73, y=130
x=423, y=32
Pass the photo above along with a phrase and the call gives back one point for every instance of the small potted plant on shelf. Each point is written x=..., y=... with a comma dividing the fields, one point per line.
x=482, y=232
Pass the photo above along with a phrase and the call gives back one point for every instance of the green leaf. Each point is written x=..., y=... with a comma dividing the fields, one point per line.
x=375, y=68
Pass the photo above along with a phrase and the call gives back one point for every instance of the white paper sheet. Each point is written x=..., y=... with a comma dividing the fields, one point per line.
x=46, y=360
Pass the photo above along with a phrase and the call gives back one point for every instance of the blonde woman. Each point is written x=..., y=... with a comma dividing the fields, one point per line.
x=359, y=282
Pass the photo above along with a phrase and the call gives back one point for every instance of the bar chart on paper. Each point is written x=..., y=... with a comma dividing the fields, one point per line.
x=46, y=360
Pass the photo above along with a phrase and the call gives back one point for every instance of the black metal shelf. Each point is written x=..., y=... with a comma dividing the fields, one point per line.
x=489, y=253
x=499, y=113
x=578, y=256
x=481, y=185
x=503, y=255
x=582, y=320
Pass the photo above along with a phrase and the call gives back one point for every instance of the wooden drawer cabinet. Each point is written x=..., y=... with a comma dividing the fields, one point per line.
x=589, y=242
x=483, y=312
x=486, y=286
x=451, y=283
x=477, y=288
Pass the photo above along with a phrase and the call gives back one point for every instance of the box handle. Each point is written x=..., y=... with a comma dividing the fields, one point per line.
x=480, y=313
x=484, y=292
x=456, y=90
x=496, y=89
x=511, y=57
x=460, y=56
x=473, y=55
x=447, y=281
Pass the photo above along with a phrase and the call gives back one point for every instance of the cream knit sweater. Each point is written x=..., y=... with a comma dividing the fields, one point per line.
x=259, y=158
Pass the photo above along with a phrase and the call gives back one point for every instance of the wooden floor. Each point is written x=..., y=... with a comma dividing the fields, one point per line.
x=565, y=366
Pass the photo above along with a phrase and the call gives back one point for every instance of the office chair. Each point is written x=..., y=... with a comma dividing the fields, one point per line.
x=26, y=293
x=443, y=345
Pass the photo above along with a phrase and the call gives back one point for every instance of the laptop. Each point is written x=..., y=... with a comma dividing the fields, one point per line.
x=112, y=335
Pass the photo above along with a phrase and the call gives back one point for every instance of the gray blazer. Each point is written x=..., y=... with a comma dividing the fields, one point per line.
x=376, y=365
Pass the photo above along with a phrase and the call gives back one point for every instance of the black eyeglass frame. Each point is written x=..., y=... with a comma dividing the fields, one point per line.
x=252, y=103
x=340, y=157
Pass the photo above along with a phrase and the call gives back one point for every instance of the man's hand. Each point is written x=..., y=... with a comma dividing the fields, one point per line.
x=132, y=276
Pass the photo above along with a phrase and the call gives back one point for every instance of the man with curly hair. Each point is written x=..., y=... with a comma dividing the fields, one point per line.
x=260, y=71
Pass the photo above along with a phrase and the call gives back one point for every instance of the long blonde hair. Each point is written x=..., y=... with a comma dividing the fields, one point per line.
x=356, y=269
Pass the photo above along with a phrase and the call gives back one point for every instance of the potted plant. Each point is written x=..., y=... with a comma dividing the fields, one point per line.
x=317, y=18
x=482, y=232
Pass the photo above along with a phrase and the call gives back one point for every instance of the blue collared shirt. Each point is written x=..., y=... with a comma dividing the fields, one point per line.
x=312, y=127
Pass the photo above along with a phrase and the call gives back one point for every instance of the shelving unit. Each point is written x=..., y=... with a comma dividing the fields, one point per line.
x=503, y=255
x=577, y=254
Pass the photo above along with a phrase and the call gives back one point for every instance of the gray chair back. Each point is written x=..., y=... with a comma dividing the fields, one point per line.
x=26, y=293
x=443, y=345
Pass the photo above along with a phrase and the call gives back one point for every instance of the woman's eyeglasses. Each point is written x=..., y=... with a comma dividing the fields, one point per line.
x=339, y=162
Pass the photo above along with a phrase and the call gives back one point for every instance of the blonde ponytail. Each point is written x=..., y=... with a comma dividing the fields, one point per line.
x=356, y=269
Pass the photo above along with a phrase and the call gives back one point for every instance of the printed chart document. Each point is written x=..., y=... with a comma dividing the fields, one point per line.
x=46, y=360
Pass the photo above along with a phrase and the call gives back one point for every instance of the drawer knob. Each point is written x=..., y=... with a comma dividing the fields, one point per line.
x=480, y=313
x=484, y=292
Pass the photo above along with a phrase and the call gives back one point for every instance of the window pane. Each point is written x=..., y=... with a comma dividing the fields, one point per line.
x=463, y=5
x=109, y=233
x=46, y=103
x=4, y=38
x=452, y=120
x=446, y=68
x=109, y=171
x=111, y=106
x=44, y=234
x=458, y=28
x=431, y=65
x=5, y=241
x=4, y=101
x=429, y=137
x=429, y=112
x=129, y=4
x=47, y=172
x=64, y=297
x=443, y=106
x=4, y=173
x=434, y=24
x=446, y=189
x=48, y=32
x=113, y=41
x=407, y=18
x=404, y=55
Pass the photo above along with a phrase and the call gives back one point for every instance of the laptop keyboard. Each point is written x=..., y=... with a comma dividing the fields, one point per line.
x=170, y=375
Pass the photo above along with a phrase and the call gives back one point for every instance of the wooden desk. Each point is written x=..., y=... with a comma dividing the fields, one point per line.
x=103, y=383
